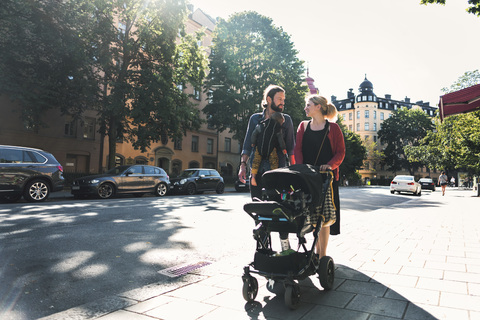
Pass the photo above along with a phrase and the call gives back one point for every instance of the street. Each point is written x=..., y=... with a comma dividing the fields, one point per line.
x=64, y=253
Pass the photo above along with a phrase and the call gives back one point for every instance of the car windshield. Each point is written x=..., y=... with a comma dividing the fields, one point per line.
x=404, y=178
x=117, y=170
x=188, y=173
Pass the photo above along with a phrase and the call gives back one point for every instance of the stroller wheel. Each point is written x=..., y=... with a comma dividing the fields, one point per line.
x=250, y=288
x=292, y=296
x=326, y=272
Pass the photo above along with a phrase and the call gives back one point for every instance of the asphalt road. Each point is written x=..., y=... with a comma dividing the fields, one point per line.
x=65, y=252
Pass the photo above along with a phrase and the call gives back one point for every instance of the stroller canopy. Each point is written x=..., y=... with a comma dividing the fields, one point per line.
x=302, y=177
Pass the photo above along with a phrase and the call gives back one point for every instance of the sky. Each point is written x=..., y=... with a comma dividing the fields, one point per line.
x=405, y=49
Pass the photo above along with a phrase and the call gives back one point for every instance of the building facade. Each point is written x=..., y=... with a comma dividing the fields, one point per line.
x=364, y=113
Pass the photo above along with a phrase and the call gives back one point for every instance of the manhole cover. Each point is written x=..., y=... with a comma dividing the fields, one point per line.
x=180, y=270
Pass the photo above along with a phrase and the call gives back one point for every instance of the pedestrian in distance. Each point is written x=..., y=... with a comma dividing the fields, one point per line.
x=273, y=101
x=320, y=143
x=443, y=181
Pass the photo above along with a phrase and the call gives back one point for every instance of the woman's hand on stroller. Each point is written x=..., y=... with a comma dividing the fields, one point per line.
x=325, y=167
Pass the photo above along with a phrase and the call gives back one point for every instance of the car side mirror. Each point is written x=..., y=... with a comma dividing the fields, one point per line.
x=129, y=172
x=202, y=176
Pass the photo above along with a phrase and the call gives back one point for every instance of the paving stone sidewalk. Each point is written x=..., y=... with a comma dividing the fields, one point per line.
x=392, y=263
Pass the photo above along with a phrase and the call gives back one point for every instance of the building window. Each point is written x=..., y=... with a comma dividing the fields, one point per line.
x=196, y=93
x=350, y=127
x=119, y=160
x=89, y=128
x=358, y=126
x=374, y=138
x=358, y=114
x=382, y=117
x=228, y=144
x=374, y=126
x=367, y=126
x=364, y=98
x=370, y=98
x=70, y=126
x=367, y=113
x=350, y=116
x=194, y=143
x=177, y=144
x=209, y=146
x=374, y=114
x=344, y=117
x=348, y=105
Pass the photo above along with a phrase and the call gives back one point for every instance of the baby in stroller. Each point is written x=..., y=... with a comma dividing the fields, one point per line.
x=298, y=200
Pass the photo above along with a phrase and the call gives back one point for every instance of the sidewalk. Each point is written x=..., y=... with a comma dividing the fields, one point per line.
x=392, y=263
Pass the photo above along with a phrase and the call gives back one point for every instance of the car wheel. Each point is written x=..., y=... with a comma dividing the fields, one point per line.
x=220, y=188
x=419, y=193
x=161, y=190
x=191, y=189
x=36, y=191
x=106, y=190
x=392, y=192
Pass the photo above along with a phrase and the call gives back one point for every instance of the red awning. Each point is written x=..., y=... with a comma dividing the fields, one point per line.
x=462, y=101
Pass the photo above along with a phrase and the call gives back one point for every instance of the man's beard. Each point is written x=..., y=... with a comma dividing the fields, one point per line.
x=276, y=108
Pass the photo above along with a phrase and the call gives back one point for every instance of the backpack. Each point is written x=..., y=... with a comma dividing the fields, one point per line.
x=268, y=135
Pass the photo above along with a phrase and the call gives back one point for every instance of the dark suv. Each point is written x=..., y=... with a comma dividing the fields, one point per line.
x=30, y=172
x=191, y=181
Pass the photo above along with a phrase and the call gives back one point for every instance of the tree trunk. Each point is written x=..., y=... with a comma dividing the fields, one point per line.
x=112, y=142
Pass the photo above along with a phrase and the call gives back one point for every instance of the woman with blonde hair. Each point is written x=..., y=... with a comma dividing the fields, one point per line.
x=320, y=143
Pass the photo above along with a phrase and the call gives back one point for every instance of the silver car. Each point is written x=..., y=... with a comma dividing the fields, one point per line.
x=405, y=184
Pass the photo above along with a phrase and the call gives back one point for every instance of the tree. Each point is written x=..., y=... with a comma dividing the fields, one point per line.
x=121, y=58
x=455, y=143
x=468, y=79
x=474, y=5
x=143, y=68
x=44, y=62
x=405, y=128
x=355, y=153
x=248, y=54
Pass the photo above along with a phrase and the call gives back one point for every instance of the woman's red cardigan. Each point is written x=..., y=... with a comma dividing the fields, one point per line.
x=335, y=136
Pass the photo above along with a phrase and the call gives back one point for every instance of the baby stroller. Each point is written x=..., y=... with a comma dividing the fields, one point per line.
x=294, y=201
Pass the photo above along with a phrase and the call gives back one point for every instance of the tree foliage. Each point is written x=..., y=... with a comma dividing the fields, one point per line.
x=44, y=62
x=355, y=153
x=405, y=128
x=455, y=143
x=474, y=7
x=248, y=54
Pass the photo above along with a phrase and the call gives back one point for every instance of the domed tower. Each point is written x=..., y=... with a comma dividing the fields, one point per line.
x=366, y=91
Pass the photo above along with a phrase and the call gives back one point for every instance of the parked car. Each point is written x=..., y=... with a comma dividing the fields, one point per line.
x=242, y=187
x=427, y=183
x=192, y=181
x=405, y=184
x=132, y=179
x=28, y=172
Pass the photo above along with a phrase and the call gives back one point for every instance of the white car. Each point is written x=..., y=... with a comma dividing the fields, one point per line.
x=405, y=184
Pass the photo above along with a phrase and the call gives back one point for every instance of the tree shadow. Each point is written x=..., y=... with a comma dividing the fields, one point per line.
x=55, y=256
x=354, y=296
